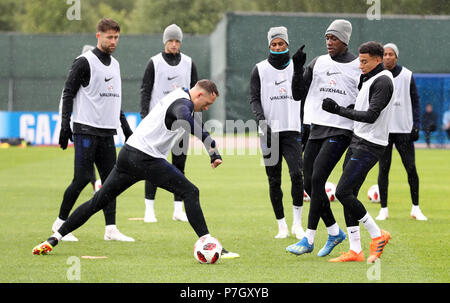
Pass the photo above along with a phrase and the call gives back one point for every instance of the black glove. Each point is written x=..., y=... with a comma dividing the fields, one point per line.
x=330, y=106
x=214, y=152
x=299, y=59
x=64, y=135
x=127, y=132
x=414, y=136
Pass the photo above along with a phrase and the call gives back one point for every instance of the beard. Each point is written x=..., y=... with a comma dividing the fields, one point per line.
x=107, y=49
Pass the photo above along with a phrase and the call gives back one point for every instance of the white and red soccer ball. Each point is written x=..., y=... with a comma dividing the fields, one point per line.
x=374, y=193
x=207, y=250
x=306, y=197
x=330, y=189
x=97, y=185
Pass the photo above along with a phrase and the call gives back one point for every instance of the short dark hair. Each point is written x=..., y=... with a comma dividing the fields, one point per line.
x=106, y=24
x=209, y=86
x=372, y=48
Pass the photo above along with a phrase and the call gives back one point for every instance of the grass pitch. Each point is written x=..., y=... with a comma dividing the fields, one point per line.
x=238, y=212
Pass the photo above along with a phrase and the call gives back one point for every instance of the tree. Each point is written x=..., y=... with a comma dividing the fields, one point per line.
x=73, y=16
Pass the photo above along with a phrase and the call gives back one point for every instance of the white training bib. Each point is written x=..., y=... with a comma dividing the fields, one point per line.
x=168, y=78
x=99, y=103
x=402, y=118
x=331, y=79
x=151, y=135
x=377, y=132
x=281, y=111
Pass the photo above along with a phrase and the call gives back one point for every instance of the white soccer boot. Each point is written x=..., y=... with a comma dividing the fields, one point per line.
x=112, y=233
x=297, y=231
x=150, y=217
x=283, y=232
x=179, y=216
x=416, y=213
x=383, y=215
x=69, y=237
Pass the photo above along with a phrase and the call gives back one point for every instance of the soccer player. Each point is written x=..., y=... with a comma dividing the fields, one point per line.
x=93, y=94
x=144, y=155
x=429, y=122
x=166, y=71
x=278, y=116
x=372, y=114
x=334, y=75
x=446, y=122
x=93, y=175
x=403, y=131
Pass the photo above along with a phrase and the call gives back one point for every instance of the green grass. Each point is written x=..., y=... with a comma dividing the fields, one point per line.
x=237, y=209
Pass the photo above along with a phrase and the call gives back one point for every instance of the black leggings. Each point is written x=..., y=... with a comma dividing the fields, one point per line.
x=357, y=165
x=406, y=150
x=286, y=144
x=90, y=150
x=133, y=166
x=320, y=158
x=179, y=155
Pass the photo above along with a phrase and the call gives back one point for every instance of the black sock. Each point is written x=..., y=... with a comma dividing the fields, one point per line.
x=52, y=241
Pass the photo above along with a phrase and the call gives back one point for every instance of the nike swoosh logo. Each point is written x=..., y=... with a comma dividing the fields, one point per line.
x=278, y=83
x=353, y=159
x=171, y=78
x=335, y=73
x=332, y=141
x=352, y=232
x=107, y=79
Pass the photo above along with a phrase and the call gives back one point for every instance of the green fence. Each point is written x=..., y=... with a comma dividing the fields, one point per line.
x=33, y=68
x=240, y=41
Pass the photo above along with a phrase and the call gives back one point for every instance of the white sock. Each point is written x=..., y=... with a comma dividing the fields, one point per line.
x=333, y=230
x=57, y=235
x=149, y=205
x=297, y=214
x=354, y=238
x=310, y=234
x=110, y=227
x=282, y=223
x=371, y=226
x=177, y=206
x=415, y=208
x=59, y=221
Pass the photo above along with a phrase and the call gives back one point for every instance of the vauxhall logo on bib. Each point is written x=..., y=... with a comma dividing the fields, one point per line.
x=110, y=92
x=282, y=95
x=332, y=87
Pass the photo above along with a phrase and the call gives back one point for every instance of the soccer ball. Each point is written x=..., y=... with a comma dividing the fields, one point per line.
x=374, y=193
x=330, y=189
x=306, y=197
x=98, y=185
x=207, y=250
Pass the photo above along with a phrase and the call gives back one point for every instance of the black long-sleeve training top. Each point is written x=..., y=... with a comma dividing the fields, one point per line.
x=183, y=110
x=80, y=75
x=278, y=61
x=300, y=86
x=415, y=102
x=149, y=79
x=380, y=94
